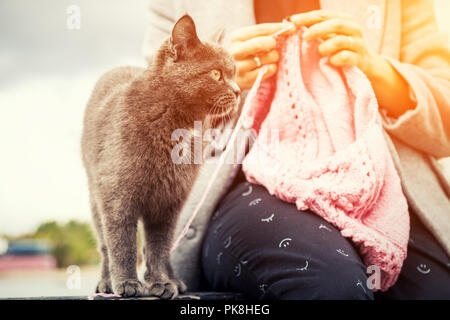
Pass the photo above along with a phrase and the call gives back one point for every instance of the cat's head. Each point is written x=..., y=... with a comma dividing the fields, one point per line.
x=200, y=73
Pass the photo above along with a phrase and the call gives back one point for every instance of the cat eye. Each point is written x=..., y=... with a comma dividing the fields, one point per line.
x=216, y=74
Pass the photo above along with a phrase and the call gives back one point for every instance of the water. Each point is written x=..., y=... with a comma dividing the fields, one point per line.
x=50, y=283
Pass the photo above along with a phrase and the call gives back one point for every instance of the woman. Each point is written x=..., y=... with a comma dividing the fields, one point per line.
x=397, y=45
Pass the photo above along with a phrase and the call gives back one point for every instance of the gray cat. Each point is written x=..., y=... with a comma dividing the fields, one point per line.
x=127, y=146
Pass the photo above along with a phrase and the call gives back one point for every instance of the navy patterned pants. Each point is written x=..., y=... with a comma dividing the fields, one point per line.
x=265, y=248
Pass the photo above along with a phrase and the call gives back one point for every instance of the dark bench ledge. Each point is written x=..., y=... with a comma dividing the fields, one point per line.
x=229, y=296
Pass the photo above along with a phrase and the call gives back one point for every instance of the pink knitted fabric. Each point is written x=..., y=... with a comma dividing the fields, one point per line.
x=331, y=156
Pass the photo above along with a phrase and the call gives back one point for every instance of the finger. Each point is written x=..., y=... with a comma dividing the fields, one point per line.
x=339, y=43
x=345, y=58
x=243, y=49
x=312, y=17
x=333, y=26
x=257, y=30
x=246, y=65
x=246, y=81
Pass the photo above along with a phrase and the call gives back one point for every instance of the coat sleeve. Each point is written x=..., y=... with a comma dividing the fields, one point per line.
x=425, y=65
x=161, y=18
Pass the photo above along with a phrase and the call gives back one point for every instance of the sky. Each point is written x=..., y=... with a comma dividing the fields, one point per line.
x=47, y=72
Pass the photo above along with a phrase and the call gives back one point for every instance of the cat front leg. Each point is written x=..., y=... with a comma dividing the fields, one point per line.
x=120, y=229
x=159, y=273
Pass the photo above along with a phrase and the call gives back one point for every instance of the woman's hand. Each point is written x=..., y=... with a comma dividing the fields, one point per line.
x=250, y=42
x=343, y=42
x=342, y=39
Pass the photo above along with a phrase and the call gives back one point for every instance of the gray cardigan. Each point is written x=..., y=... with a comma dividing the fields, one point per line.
x=423, y=182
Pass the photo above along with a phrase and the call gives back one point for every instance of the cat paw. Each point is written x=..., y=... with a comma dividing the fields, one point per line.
x=180, y=285
x=129, y=288
x=104, y=286
x=164, y=290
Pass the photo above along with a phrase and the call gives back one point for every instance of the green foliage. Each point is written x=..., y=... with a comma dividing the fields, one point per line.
x=73, y=242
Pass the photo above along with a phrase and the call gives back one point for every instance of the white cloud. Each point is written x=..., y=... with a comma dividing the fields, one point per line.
x=40, y=167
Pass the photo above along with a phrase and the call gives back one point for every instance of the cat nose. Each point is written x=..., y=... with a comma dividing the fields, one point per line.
x=236, y=90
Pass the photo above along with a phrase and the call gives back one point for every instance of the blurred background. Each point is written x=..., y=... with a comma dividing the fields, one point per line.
x=47, y=71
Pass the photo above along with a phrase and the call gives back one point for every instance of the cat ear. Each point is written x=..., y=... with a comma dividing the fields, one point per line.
x=184, y=36
x=218, y=36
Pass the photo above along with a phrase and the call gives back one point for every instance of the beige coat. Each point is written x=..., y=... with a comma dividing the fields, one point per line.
x=406, y=33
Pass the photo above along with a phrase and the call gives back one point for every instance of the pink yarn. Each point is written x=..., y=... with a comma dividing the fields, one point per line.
x=103, y=295
x=331, y=156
